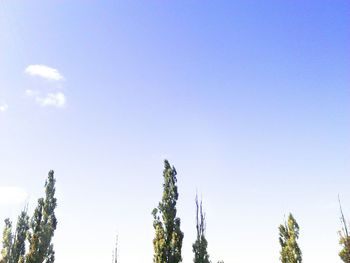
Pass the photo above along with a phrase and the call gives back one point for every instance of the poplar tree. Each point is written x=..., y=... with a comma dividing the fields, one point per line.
x=18, y=248
x=115, y=251
x=7, y=241
x=344, y=240
x=168, y=235
x=13, y=250
x=200, y=245
x=43, y=225
x=288, y=236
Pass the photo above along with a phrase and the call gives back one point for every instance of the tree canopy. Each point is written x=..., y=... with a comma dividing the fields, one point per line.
x=168, y=238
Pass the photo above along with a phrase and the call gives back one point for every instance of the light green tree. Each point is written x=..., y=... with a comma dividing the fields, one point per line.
x=344, y=240
x=168, y=238
x=288, y=236
x=200, y=245
x=7, y=241
x=42, y=226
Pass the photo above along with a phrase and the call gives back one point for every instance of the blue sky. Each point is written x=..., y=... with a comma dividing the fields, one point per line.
x=248, y=99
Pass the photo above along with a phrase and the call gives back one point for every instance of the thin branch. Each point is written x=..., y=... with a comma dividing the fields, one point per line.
x=343, y=219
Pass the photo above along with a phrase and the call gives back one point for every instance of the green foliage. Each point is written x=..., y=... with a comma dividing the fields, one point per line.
x=200, y=245
x=7, y=241
x=288, y=235
x=13, y=250
x=344, y=254
x=43, y=225
x=18, y=248
x=35, y=233
x=168, y=238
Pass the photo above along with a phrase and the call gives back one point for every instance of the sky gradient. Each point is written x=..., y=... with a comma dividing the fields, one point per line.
x=249, y=100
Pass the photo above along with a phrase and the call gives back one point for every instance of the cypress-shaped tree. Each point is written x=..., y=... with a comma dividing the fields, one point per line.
x=115, y=251
x=288, y=236
x=18, y=248
x=43, y=225
x=168, y=235
x=7, y=241
x=35, y=234
x=344, y=240
x=200, y=245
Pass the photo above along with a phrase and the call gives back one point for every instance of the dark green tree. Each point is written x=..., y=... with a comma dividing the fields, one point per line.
x=42, y=226
x=288, y=236
x=7, y=241
x=344, y=240
x=168, y=235
x=18, y=248
x=200, y=245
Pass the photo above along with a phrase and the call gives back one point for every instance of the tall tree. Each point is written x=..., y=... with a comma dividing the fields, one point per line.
x=168, y=235
x=344, y=240
x=7, y=241
x=200, y=245
x=43, y=225
x=18, y=248
x=288, y=236
x=115, y=251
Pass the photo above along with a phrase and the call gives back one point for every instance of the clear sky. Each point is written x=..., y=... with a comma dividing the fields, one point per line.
x=250, y=100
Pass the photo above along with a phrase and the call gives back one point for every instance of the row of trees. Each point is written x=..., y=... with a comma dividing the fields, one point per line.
x=35, y=232
x=289, y=234
x=168, y=238
x=167, y=242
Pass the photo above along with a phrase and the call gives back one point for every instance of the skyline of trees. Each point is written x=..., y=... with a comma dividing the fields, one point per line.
x=38, y=231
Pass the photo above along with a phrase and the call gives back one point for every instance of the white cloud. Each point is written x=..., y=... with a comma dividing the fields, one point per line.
x=52, y=99
x=4, y=107
x=10, y=195
x=44, y=72
x=30, y=92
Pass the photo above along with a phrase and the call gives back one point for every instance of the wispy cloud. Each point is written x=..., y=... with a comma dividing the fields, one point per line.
x=42, y=97
x=52, y=99
x=10, y=195
x=44, y=71
x=3, y=107
x=31, y=93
